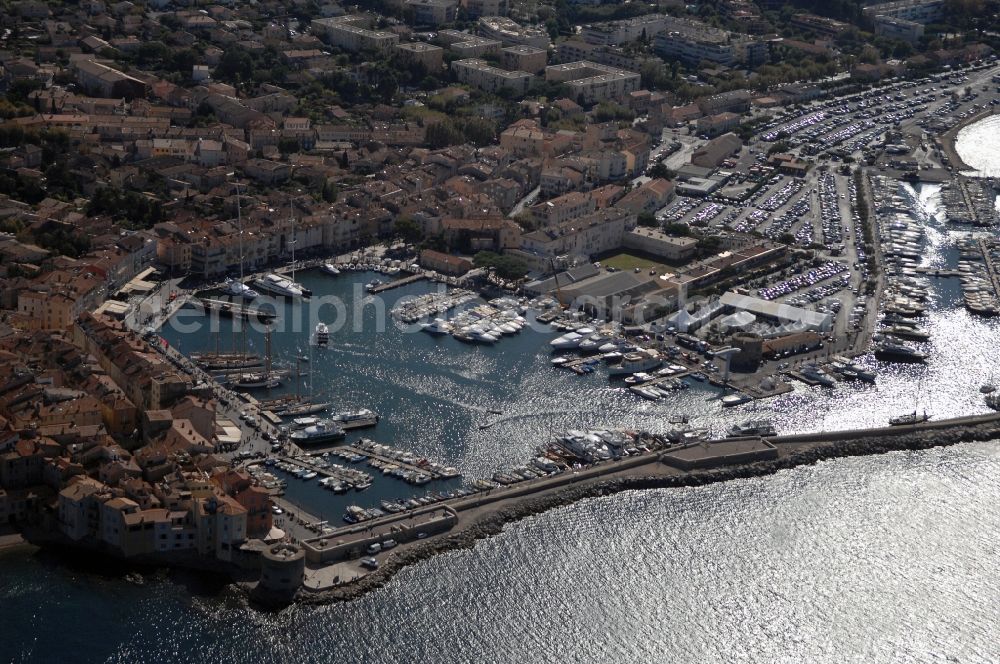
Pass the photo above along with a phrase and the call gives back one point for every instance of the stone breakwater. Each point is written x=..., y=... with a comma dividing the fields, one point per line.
x=492, y=523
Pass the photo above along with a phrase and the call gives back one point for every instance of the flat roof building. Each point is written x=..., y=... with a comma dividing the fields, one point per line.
x=486, y=77
x=591, y=82
x=343, y=32
x=430, y=56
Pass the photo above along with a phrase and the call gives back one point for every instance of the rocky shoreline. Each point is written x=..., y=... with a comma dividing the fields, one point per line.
x=492, y=524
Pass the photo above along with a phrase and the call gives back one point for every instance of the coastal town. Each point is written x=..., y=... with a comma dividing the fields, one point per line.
x=716, y=198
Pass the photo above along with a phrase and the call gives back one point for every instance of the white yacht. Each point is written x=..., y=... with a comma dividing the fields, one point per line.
x=237, y=288
x=736, y=399
x=479, y=335
x=593, y=343
x=330, y=268
x=814, y=373
x=438, y=328
x=571, y=340
x=322, y=334
x=321, y=432
x=635, y=362
x=277, y=284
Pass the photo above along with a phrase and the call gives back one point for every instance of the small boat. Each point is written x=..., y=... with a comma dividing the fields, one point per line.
x=330, y=268
x=909, y=419
x=322, y=334
x=752, y=428
x=731, y=400
x=372, y=285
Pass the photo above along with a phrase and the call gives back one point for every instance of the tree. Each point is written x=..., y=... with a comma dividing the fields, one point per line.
x=409, y=230
x=659, y=170
x=647, y=219
x=506, y=267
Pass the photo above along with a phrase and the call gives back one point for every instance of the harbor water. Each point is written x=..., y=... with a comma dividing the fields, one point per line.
x=888, y=558
x=870, y=559
x=979, y=146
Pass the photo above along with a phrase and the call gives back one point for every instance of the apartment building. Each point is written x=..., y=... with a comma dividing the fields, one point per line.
x=477, y=8
x=590, y=82
x=432, y=12
x=919, y=11
x=524, y=58
x=694, y=42
x=429, y=56
x=346, y=33
x=624, y=31
x=486, y=77
x=511, y=33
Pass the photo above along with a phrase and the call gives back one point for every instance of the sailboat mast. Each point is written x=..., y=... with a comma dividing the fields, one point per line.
x=291, y=218
x=239, y=222
x=267, y=352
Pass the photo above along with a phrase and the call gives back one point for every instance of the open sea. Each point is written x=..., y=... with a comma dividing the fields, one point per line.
x=889, y=558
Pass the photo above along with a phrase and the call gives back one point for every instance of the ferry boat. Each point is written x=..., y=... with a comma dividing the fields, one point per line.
x=322, y=432
x=330, y=268
x=752, y=428
x=237, y=288
x=277, y=284
x=322, y=334
x=635, y=363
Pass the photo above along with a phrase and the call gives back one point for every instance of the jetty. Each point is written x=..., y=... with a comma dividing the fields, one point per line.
x=349, y=475
x=405, y=281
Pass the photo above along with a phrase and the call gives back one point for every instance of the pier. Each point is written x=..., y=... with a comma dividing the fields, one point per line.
x=405, y=281
x=991, y=268
x=349, y=475
x=433, y=474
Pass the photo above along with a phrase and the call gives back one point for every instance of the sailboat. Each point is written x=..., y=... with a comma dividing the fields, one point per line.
x=911, y=418
x=265, y=379
x=233, y=287
x=279, y=284
x=306, y=406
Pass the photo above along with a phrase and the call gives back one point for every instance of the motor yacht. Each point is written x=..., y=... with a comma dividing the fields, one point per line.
x=237, y=288
x=277, y=284
x=321, y=432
